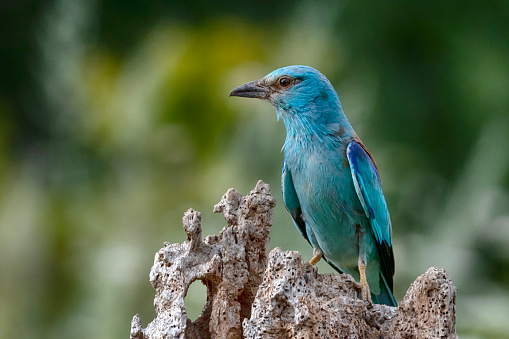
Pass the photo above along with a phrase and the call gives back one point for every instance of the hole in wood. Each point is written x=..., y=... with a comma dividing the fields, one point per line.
x=195, y=299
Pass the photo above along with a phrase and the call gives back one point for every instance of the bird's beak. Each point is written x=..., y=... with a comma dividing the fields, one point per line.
x=253, y=89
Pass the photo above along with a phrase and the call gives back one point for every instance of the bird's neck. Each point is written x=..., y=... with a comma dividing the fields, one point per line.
x=305, y=130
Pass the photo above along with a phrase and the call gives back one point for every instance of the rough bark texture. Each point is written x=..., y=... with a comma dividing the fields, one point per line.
x=254, y=294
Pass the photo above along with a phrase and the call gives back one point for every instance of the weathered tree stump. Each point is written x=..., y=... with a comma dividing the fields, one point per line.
x=254, y=294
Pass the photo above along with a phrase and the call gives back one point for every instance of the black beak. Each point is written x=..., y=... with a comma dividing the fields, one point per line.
x=253, y=89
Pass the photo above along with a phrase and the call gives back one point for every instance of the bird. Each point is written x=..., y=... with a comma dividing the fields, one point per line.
x=329, y=179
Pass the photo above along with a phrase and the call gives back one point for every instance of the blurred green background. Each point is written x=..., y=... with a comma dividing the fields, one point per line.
x=115, y=119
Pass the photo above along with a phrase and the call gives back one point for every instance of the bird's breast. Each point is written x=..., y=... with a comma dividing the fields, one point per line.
x=330, y=206
x=323, y=182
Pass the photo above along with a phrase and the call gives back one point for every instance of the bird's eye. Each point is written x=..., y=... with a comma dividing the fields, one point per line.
x=284, y=82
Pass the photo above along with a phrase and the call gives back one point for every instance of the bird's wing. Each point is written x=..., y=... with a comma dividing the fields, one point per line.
x=291, y=200
x=369, y=190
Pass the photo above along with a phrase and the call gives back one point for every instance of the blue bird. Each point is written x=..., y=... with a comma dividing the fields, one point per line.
x=329, y=179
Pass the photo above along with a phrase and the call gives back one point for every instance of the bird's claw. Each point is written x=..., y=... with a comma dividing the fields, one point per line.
x=317, y=255
x=365, y=292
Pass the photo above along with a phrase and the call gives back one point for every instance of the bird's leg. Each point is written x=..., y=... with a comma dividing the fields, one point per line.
x=317, y=255
x=361, y=263
x=365, y=292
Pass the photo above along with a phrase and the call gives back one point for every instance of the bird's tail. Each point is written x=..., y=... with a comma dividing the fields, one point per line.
x=385, y=297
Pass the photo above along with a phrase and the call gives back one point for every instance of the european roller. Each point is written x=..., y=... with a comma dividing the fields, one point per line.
x=329, y=180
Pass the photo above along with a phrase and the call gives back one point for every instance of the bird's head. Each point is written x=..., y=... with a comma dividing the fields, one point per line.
x=295, y=92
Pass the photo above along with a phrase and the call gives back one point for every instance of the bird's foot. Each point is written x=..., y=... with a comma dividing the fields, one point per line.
x=363, y=283
x=317, y=255
x=365, y=292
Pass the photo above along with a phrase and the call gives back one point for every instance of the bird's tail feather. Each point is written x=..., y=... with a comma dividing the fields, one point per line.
x=385, y=297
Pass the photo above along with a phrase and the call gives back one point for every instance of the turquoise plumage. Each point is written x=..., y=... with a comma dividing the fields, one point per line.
x=330, y=181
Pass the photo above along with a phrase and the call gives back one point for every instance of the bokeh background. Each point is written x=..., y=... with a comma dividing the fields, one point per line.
x=115, y=119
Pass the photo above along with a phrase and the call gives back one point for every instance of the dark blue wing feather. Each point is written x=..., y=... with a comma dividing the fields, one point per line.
x=369, y=190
